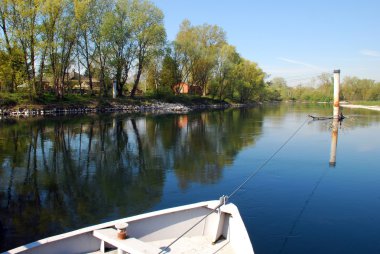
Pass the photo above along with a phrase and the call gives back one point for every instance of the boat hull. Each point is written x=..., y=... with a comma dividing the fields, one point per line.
x=215, y=228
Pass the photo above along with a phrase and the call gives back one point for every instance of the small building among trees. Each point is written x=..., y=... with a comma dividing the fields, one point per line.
x=185, y=88
x=181, y=88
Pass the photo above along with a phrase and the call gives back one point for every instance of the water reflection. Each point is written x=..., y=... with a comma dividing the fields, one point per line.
x=61, y=174
x=334, y=141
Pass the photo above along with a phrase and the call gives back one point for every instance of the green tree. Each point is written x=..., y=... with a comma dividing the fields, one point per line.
x=149, y=34
x=226, y=59
x=116, y=33
x=26, y=14
x=197, y=48
x=103, y=46
x=85, y=14
x=354, y=88
x=7, y=65
x=170, y=73
x=59, y=29
x=11, y=69
x=249, y=80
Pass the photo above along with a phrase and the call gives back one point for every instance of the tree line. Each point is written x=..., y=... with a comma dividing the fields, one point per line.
x=121, y=41
x=321, y=89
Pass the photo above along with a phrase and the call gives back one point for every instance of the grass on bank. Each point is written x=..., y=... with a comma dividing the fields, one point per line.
x=9, y=100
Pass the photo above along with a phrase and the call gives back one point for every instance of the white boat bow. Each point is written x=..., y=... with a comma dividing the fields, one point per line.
x=213, y=230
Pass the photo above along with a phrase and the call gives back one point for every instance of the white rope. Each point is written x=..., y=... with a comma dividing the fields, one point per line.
x=266, y=161
x=224, y=199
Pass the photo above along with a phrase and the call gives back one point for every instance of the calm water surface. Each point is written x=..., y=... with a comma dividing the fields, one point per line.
x=61, y=174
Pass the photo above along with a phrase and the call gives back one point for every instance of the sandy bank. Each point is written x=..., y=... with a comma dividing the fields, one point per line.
x=377, y=108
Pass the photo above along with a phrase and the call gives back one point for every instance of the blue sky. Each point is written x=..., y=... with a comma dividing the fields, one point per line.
x=292, y=39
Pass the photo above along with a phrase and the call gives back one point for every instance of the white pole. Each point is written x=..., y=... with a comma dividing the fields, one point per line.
x=336, y=93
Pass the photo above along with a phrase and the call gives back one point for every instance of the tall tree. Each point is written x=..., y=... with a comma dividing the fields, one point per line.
x=226, y=59
x=149, y=33
x=153, y=72
x=89, y=15
x=25, y=15
x=249, y=81
x=60, y=32
x=103, y=45
x=170, y=72
x=117, y=33
x=7, y=65
x=197, y=47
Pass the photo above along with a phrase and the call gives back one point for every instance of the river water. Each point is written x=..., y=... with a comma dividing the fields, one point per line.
x=61, y=174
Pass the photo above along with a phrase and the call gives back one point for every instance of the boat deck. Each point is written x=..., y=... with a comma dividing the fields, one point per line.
x=195, y=244
x=189, y=245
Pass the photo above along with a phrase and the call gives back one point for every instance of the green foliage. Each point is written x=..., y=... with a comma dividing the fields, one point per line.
x=272, y=94
x=196, y=48
x=357, y=89
x=170, y=74
x=249, y=80
x=11, y=70
x=149, y=35
x=222, y=83
x=352, y=89
x=9, y=99
x=323, y=93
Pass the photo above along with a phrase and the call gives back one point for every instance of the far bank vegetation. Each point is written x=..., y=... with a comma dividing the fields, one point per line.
x=64, y=47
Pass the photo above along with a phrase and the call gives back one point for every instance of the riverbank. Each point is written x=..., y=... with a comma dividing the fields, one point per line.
x=376, y=108
x=178, y=104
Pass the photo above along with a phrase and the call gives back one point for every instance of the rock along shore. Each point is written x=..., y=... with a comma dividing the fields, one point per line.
x=154, y=107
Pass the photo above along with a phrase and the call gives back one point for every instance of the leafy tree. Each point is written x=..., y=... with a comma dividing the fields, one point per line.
x=226, y=59
x=7, y=57
x=149, y=34
x=197, y=48
x=153, y=72
x=170, y=73
x=60, y=32
x=354, y=88
x=116, y=32
x=103, y=46
x=85, y=17
x=24, y=19
x=249, y=80
x=11, y=69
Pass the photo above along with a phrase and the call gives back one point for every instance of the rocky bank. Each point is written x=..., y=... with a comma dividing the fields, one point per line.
x=153, y=107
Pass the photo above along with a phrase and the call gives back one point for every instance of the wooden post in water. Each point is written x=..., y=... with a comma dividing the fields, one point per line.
x=336, y=93
x=334, y=142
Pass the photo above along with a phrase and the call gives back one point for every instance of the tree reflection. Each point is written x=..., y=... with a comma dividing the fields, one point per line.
x=211, y=141
x=65, y=173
